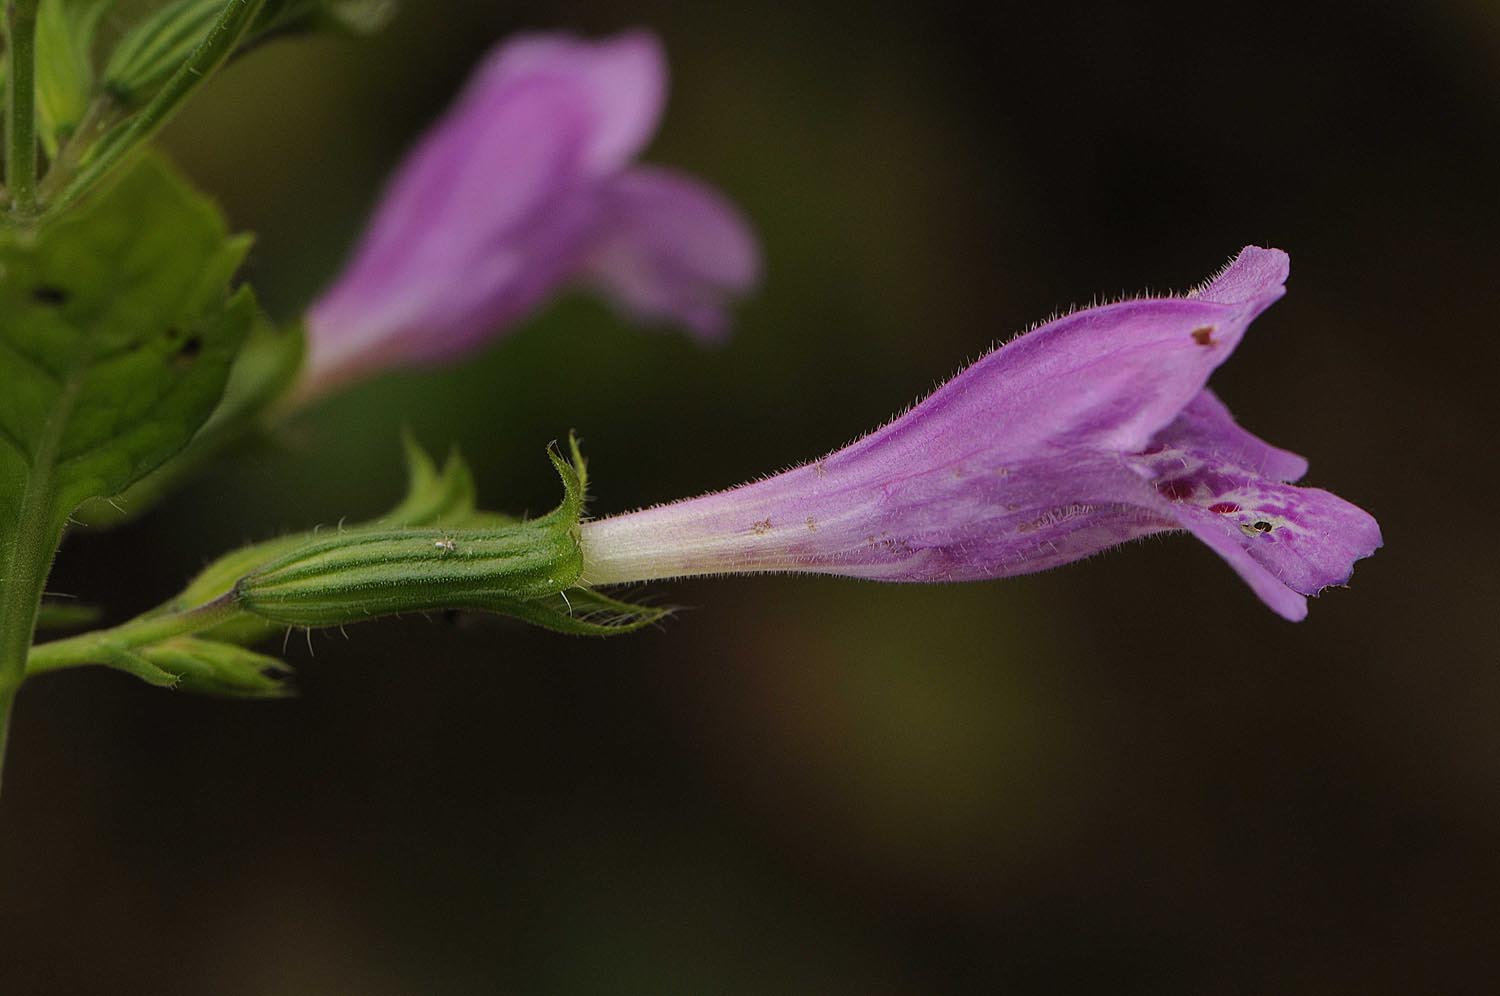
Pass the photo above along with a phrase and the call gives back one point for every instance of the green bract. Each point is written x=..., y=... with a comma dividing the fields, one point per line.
x=208, y=667
x=64, y=66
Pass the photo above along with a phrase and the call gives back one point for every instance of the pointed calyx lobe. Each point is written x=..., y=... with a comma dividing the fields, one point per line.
x=1088, y=431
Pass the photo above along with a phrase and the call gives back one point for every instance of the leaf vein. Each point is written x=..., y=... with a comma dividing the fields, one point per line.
x=30, y=360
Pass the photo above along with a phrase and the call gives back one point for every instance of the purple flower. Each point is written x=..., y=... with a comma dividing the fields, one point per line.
x=524, y=186
x=1084, y=433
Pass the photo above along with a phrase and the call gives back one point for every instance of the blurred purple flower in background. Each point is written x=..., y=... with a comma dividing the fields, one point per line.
x=527, y=185
x=1086, y=432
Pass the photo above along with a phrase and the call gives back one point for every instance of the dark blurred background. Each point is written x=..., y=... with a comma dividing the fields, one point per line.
x=1126, y=776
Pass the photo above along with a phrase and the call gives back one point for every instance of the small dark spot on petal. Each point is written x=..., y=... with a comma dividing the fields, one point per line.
x=762, y=527
x=1178, y=490
x=49, y=294
x=1224, y=507
x=1261, y=526
x=1204, y=336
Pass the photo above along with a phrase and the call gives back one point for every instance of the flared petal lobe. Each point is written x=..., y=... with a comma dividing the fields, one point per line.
x=669, y=248
x=1227, y=487
x=1082, y=434
x=526, y=186
x=1206, y=424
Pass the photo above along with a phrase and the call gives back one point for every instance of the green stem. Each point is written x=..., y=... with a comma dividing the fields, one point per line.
x=103, y=114
x=7, y=702
x=27, y=563
x=26, y=572
x=217, y=46
x=20, y=117
x=102, y=646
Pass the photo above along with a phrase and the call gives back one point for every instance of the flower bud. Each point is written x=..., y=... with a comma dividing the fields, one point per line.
x=209, y=667
x=64, y=67
x=155, y=46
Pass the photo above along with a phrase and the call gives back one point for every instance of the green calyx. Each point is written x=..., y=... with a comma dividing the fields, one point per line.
x=352, y=575
x=435, y=497
x=435, y=551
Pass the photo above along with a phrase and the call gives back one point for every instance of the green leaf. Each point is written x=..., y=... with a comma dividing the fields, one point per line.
x=64, y=66
x=267, y=364
x=117, y=333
